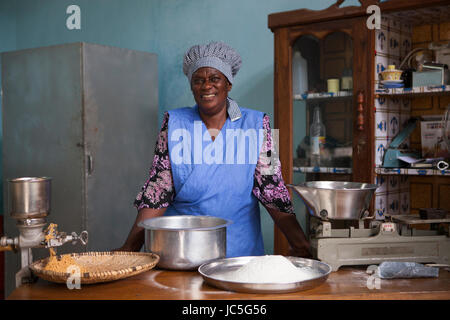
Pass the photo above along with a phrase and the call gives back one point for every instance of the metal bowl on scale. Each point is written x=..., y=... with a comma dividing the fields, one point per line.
x=336, y=200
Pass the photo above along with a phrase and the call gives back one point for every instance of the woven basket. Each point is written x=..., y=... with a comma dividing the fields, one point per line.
x=99, y=266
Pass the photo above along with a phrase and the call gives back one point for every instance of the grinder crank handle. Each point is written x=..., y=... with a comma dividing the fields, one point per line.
x=82, y=238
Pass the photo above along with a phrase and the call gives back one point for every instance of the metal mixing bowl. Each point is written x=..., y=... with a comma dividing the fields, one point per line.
x=336, y=200
x=213, y=273
x=185, y=242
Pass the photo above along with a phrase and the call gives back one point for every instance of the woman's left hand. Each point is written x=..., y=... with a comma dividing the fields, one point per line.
x=303, y=252
x=288, y=224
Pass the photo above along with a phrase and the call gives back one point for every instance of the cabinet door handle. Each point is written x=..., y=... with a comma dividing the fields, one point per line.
x=90, y=164
x=360, y=117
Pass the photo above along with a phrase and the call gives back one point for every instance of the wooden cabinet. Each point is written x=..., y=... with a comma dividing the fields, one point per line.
x=336, y=43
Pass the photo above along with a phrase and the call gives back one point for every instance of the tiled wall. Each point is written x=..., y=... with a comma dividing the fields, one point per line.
x=392, y=43
x=429, y=191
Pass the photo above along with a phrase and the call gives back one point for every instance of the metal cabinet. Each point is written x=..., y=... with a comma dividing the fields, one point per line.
x=85, y=115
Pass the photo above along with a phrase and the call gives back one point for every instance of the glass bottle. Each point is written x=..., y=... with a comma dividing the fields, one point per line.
x=300, y=74
x=317, y=135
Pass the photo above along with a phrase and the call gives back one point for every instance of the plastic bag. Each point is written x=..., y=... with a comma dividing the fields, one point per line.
x=393, y=270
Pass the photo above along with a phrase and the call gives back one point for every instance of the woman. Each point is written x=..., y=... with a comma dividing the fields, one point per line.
x=196, y=171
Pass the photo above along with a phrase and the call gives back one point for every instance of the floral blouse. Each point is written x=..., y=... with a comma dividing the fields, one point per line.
x=158, y=192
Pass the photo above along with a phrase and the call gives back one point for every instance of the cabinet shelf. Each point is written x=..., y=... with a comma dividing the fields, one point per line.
x=414, y=92
x=333, y=170
x=323, y=96
x=412, y=171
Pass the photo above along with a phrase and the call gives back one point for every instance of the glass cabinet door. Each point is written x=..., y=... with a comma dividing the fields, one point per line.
x=322, y=87
x=322, y=93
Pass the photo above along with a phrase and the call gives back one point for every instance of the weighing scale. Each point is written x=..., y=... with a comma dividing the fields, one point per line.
x=395, y=239
x=339, y=213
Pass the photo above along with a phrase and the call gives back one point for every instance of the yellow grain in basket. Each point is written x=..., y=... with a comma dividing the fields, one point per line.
x=61, y=263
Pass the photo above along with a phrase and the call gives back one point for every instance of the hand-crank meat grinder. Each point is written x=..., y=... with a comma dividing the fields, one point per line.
x=29, y=203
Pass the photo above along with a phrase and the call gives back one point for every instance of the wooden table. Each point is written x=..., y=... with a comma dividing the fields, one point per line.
x=347, y=283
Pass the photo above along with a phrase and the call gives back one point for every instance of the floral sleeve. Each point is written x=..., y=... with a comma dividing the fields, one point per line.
x=158, y=192
x=268, y=185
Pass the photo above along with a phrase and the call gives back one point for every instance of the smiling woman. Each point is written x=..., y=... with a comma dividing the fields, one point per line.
x=218, y=188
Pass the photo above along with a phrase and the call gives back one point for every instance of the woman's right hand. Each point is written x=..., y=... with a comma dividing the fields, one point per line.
x=136, y=237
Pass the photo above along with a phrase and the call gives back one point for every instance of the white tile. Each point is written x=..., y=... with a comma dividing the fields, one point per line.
x=384, y=22
x=405, y=44
x=380, y=148
x=381, y=44
x=381, y=63
x=394, y=24
x=404, y=203
x=394, y=43
x=393, y=124
x=393, y=203
x=380, y=206
x=393, y=184
x=381, y=103
x=381, y=120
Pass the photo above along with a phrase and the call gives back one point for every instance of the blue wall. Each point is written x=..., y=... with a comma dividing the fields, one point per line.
x=167, y=28
x=7, y=43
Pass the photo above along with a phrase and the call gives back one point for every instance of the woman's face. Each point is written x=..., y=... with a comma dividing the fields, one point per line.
x=210, y=89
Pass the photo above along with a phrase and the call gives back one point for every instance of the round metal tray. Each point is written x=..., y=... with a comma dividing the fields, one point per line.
x=211, y=273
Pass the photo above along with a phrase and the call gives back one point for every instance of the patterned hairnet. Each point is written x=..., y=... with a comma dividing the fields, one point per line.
x=216, y=55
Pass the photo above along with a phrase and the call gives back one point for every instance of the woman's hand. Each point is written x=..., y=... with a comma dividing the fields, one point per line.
x=303, y=251
x=136, y=237
x=288, y=224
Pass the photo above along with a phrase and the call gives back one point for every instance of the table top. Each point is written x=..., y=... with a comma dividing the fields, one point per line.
x=349, y=283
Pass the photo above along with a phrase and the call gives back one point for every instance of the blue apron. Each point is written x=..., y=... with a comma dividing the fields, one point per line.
x=213, y=178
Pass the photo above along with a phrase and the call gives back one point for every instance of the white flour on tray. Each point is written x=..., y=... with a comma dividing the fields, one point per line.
x=270, y=269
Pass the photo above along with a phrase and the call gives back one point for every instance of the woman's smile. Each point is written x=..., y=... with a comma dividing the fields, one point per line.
x=209, y=96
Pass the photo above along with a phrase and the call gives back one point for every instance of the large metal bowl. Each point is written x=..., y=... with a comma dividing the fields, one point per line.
x=213, y=274
x=185, y=242
x=336, y=200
